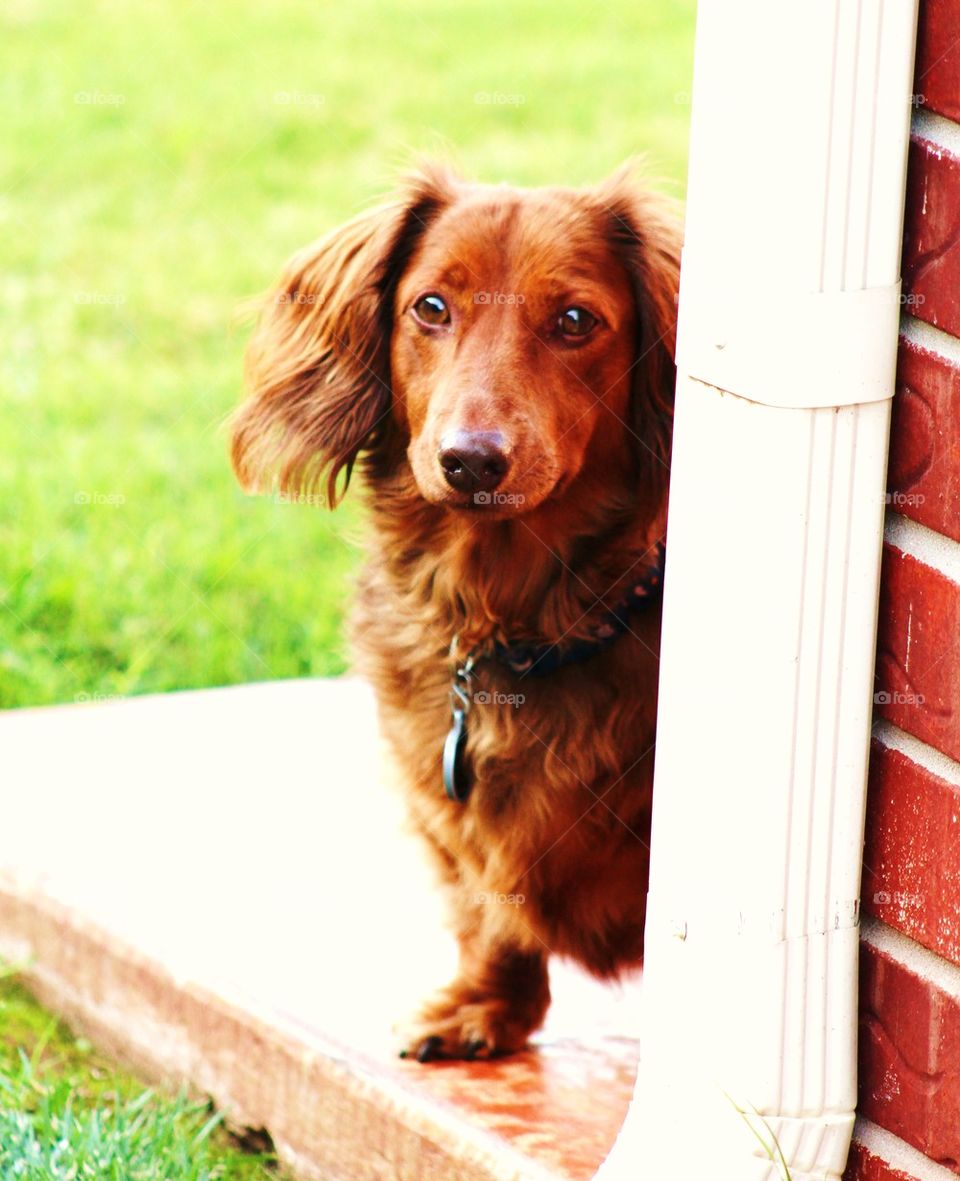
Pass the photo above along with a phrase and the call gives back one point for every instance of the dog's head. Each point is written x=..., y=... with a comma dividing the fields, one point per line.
x=501, y=341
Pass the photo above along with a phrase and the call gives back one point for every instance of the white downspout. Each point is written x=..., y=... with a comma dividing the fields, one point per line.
x=789, y=312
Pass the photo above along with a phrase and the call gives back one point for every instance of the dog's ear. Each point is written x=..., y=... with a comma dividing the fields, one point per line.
x=645, y=228
x=317, y=366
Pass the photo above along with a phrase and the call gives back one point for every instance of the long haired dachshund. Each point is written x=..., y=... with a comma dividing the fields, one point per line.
x=498, y=365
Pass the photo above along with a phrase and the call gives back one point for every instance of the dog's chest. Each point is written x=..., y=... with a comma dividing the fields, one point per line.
x=523, y=736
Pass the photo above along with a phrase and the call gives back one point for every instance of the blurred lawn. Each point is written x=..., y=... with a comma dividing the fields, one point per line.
x=157, y=165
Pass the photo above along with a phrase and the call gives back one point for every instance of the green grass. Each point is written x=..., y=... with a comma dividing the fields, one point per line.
x=158, y=164
x=67, y=1113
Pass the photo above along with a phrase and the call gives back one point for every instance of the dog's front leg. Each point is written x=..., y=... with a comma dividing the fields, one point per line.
x=499, y=997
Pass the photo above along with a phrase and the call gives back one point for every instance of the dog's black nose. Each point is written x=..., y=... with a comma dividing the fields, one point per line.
x=473, y=461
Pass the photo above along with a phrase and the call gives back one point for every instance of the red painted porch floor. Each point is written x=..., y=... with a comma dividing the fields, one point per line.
x=216, y=887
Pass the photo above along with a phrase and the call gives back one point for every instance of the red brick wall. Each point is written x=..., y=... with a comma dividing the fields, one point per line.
x=909, y=1105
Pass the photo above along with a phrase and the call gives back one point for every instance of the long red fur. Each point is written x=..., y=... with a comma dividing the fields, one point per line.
x=560, y=812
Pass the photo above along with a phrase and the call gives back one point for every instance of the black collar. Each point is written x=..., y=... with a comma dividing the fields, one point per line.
x=540, y=660
x=535, y=660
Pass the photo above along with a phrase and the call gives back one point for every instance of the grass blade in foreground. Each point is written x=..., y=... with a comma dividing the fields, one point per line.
x=67, y=1112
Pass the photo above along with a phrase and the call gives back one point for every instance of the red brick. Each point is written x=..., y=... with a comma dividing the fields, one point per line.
x=937, y=80
x=909, y=1057
x=923, y=480
x=911, y=862
x=918, y=651
x=864, y=1166
x=931, y=236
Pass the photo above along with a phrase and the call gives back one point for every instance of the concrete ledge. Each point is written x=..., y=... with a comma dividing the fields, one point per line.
x=216, y=887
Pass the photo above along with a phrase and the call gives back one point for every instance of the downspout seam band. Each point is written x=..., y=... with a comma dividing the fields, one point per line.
x=787, y=349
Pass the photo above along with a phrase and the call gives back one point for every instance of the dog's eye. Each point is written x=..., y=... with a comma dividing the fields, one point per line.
x=432, y=310
x=576, y=322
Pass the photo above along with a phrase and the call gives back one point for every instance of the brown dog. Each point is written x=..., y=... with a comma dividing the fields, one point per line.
x=499, y=361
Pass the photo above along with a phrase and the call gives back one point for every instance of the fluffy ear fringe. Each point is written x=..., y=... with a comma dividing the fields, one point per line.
x=317, y=367
x=645, y=227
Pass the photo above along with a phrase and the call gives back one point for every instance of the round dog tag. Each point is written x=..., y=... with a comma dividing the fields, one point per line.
x=456, y=777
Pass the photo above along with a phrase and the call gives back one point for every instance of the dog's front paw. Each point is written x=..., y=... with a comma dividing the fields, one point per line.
x=459, y=1023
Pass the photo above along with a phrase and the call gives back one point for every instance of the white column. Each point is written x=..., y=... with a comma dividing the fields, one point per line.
x=788, y=331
